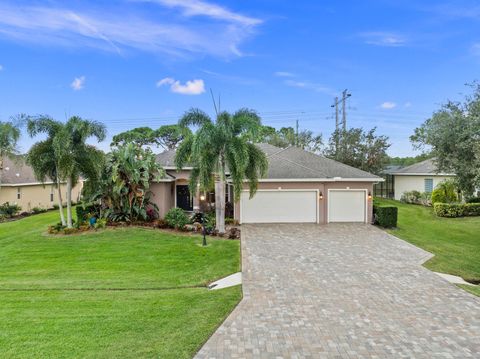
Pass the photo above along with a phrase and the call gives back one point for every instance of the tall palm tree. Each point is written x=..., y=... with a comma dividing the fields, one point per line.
x=220, y=146
x=9, y=135
x=65, y=155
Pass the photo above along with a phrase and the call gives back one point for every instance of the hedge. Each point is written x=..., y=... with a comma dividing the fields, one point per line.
x=385, y=216
x=453, y=210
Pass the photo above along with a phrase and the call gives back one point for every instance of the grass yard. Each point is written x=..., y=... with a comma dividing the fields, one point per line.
x=126, y=293
x=454, y=241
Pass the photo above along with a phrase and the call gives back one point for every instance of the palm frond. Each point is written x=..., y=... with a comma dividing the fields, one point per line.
x=194, y=117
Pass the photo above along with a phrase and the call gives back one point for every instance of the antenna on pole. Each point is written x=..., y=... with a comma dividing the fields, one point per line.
x=214, y=104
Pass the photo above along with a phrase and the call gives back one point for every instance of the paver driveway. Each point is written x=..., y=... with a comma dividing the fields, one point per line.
x=346, y=291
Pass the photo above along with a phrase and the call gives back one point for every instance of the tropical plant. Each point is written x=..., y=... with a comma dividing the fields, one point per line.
x=124, y=187
x=9, y=210
x=445, y=192
x=220, y=146
x=65, y=155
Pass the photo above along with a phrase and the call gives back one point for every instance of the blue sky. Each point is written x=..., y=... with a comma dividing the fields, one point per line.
x=132, y=63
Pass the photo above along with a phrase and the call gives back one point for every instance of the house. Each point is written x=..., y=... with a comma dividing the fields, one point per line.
x=18, y=185
x=300, y=187
x=422, y=177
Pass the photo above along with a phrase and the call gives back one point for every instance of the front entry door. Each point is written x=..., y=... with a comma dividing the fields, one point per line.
x=184, y=201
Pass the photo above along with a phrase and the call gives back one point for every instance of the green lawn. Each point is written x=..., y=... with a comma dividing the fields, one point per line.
x=125, y=293
x=455, y=242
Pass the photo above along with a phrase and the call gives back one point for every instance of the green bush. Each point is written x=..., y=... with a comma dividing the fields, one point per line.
x=416, y=197
x=9, y=210
x=385, y=216
x=176, y=218
x=474, y=200
x=37, y=210
x=453, y=210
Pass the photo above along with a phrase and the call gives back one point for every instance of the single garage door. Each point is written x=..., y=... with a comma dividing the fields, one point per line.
x=347, y=205
x=283, y=206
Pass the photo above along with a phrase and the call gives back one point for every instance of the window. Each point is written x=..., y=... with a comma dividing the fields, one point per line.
x=51, y=195
x=19, y=193
x=428, y=185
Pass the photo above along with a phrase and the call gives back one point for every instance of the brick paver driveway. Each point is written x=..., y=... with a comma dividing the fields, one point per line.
x=346, y=291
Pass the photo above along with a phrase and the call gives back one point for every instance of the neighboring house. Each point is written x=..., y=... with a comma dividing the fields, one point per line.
x=422, y=176
x=300, y=187
x=386, y=189
x=18, y=185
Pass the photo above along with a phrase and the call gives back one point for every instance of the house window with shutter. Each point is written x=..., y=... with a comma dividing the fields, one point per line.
x=428, y=185
x=51, y=195
x=19, y=193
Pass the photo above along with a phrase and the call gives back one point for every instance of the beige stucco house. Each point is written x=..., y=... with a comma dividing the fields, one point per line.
x=18, y=185
x=422, y=177
x=300, y=187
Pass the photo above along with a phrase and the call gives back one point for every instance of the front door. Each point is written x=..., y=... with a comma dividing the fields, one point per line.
x=184, y=201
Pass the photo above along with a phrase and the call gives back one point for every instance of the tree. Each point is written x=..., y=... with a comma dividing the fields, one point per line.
x=167, y=136
x=287, y=136
x=453, y=136
x=124, y=187
x=363, y=150
x=9, y=136
x=220, y=145
x=445, y=192
x=70, y=155
x=407, y=161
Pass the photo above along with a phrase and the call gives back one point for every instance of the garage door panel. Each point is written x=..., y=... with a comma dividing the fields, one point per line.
x=346, y=206
x=279, y=207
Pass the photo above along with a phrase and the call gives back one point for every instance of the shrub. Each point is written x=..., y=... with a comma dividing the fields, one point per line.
x=56, y=206
x=474, y=200
x=445, y=192
x=453, y=210
x=229, y=220
x=385, y=216
x=101, y=223
x=416, y=197
x=9, y=210
x=176, y=218
x=37, y=210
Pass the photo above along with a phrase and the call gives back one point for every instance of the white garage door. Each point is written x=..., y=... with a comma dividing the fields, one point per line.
x=283, y=206
x=346, y=206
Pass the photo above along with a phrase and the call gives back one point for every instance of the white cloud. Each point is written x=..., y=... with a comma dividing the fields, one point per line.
x=388, y=105
x=78, y=83
x=283, y=74
x=191, y=87
x=310, y=86
x=203, y=8
x=111, y=29
x=380, y=38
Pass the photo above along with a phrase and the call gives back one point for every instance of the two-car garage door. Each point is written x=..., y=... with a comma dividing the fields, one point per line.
x=301, y=206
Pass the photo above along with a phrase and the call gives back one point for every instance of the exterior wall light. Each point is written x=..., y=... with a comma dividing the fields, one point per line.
x=321, y=195
x=202, y=197
x=369, y=195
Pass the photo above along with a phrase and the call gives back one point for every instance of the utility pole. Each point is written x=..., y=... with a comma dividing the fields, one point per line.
x=345, y=96
x=335, y=104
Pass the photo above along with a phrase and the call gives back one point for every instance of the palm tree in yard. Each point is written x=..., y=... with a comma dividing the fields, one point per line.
x=218, y=147
x=65, y=156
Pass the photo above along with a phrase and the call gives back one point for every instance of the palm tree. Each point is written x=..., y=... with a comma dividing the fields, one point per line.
x=65, y=155
x=218, y=147
x=9, y=135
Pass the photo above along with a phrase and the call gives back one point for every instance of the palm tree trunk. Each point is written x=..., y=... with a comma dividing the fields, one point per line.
x=220, y=200
x=69, y=202
x=60, y=202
